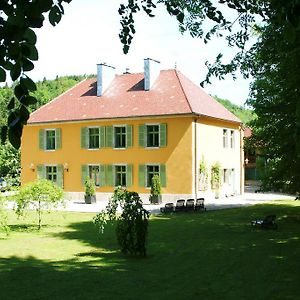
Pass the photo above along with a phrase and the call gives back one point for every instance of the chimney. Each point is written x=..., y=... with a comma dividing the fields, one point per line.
x=105, y=75
x=151, y=72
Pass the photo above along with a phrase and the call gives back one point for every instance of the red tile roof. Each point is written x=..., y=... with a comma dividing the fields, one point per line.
x=247, y=132
x=171, y=94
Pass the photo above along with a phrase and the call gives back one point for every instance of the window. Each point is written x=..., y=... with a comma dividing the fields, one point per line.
x=94, y=174
x=94, y=138
x=51, y=173
x=151, y=171
x=120, y=175
x=120, y=136
x=152, y=135
x=232, y=139
x=225, y=138
x=147, y=171
x=55, y=173
x=50, y=139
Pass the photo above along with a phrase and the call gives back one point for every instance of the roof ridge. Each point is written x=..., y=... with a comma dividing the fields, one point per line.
x=186, y=98
x=48, y=103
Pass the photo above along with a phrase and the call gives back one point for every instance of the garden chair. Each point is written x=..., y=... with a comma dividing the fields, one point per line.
x=268, y=222
x=168, y=208
x=180, y=205
x=190, y=205
x=200, y=204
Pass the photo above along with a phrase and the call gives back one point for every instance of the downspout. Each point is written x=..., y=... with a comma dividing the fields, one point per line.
x=195, y=149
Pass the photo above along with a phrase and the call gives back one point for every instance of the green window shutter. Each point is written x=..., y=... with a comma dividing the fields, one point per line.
x=58, y=138
x=109, y=175
x=42, y=139
x=129, y=175
x=102, y=136
x=142, y=132
x=163, y=135
x=84, y=137
x=142, y=182
x=41, y=171
x=162, y=175
x=109, y=136
x=60, y=176
x=84, y=173
x=129, y=136
x=102, y=175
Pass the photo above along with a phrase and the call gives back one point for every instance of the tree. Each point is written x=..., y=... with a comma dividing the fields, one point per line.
x=10, y=166
x=17, y=53
x=275, y=96
x=132, y=223
x=3, y=216
x=40, y=195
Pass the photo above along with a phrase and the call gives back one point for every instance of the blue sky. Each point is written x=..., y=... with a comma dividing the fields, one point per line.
x=88, y=34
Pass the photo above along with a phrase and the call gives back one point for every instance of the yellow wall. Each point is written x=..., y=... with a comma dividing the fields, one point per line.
x=210, y=147
x=177, y=156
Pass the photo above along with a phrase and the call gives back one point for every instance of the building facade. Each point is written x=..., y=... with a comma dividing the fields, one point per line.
x=120, y=130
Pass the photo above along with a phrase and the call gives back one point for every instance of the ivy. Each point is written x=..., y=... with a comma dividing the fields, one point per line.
x=203, y=175
x=216, y=176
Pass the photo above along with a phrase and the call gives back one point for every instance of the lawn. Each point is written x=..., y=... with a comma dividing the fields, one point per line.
x=211, y=255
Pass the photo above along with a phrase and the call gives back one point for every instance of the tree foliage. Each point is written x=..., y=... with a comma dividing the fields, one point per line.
x=244, y=114
x=132, y=223
x=3, y=216
x=41, y=195
x=18, y=51
x=10, y=165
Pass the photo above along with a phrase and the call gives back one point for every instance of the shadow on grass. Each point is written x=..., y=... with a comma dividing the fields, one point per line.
x=214, y=255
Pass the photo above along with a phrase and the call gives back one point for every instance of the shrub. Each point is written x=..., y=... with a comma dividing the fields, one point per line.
x=216, y=176
x=41, y=195
x=89, y=187
x=132, y=224
x=155, y=189
x=3, y=216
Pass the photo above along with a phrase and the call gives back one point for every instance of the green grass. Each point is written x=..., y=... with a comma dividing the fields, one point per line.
x=212, y=255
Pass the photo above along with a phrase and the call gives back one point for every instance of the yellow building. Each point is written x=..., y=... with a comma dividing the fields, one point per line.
x=123, y=129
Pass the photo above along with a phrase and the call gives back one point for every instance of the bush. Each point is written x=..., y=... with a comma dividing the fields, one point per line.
x=41, y=195
x=89, y=187
x=3, y=216
x=132, y=224
x=155, y=191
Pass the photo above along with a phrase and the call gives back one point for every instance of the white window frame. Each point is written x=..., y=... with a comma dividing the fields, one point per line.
x=232, y=139
x=95, y=165
x=88, y=138
x=146, y=135
x=45, y=139
x=114, y=173
x=114, y=140
x=51, y=165
x=226, y=145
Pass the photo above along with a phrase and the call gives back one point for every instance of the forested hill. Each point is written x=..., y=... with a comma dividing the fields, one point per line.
x=49, y=89
x=46, y=91
x=245, y=115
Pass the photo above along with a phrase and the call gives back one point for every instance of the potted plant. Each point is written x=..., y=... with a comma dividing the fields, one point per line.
x=155, y=197
x=90, y=191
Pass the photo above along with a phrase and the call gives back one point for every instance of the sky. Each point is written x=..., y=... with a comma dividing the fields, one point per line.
x=88, y=34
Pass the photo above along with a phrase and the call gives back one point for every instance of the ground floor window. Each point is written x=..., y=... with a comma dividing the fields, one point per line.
x=94, y=174
x=51, y=173
x=120, y=175
x=151, y=171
